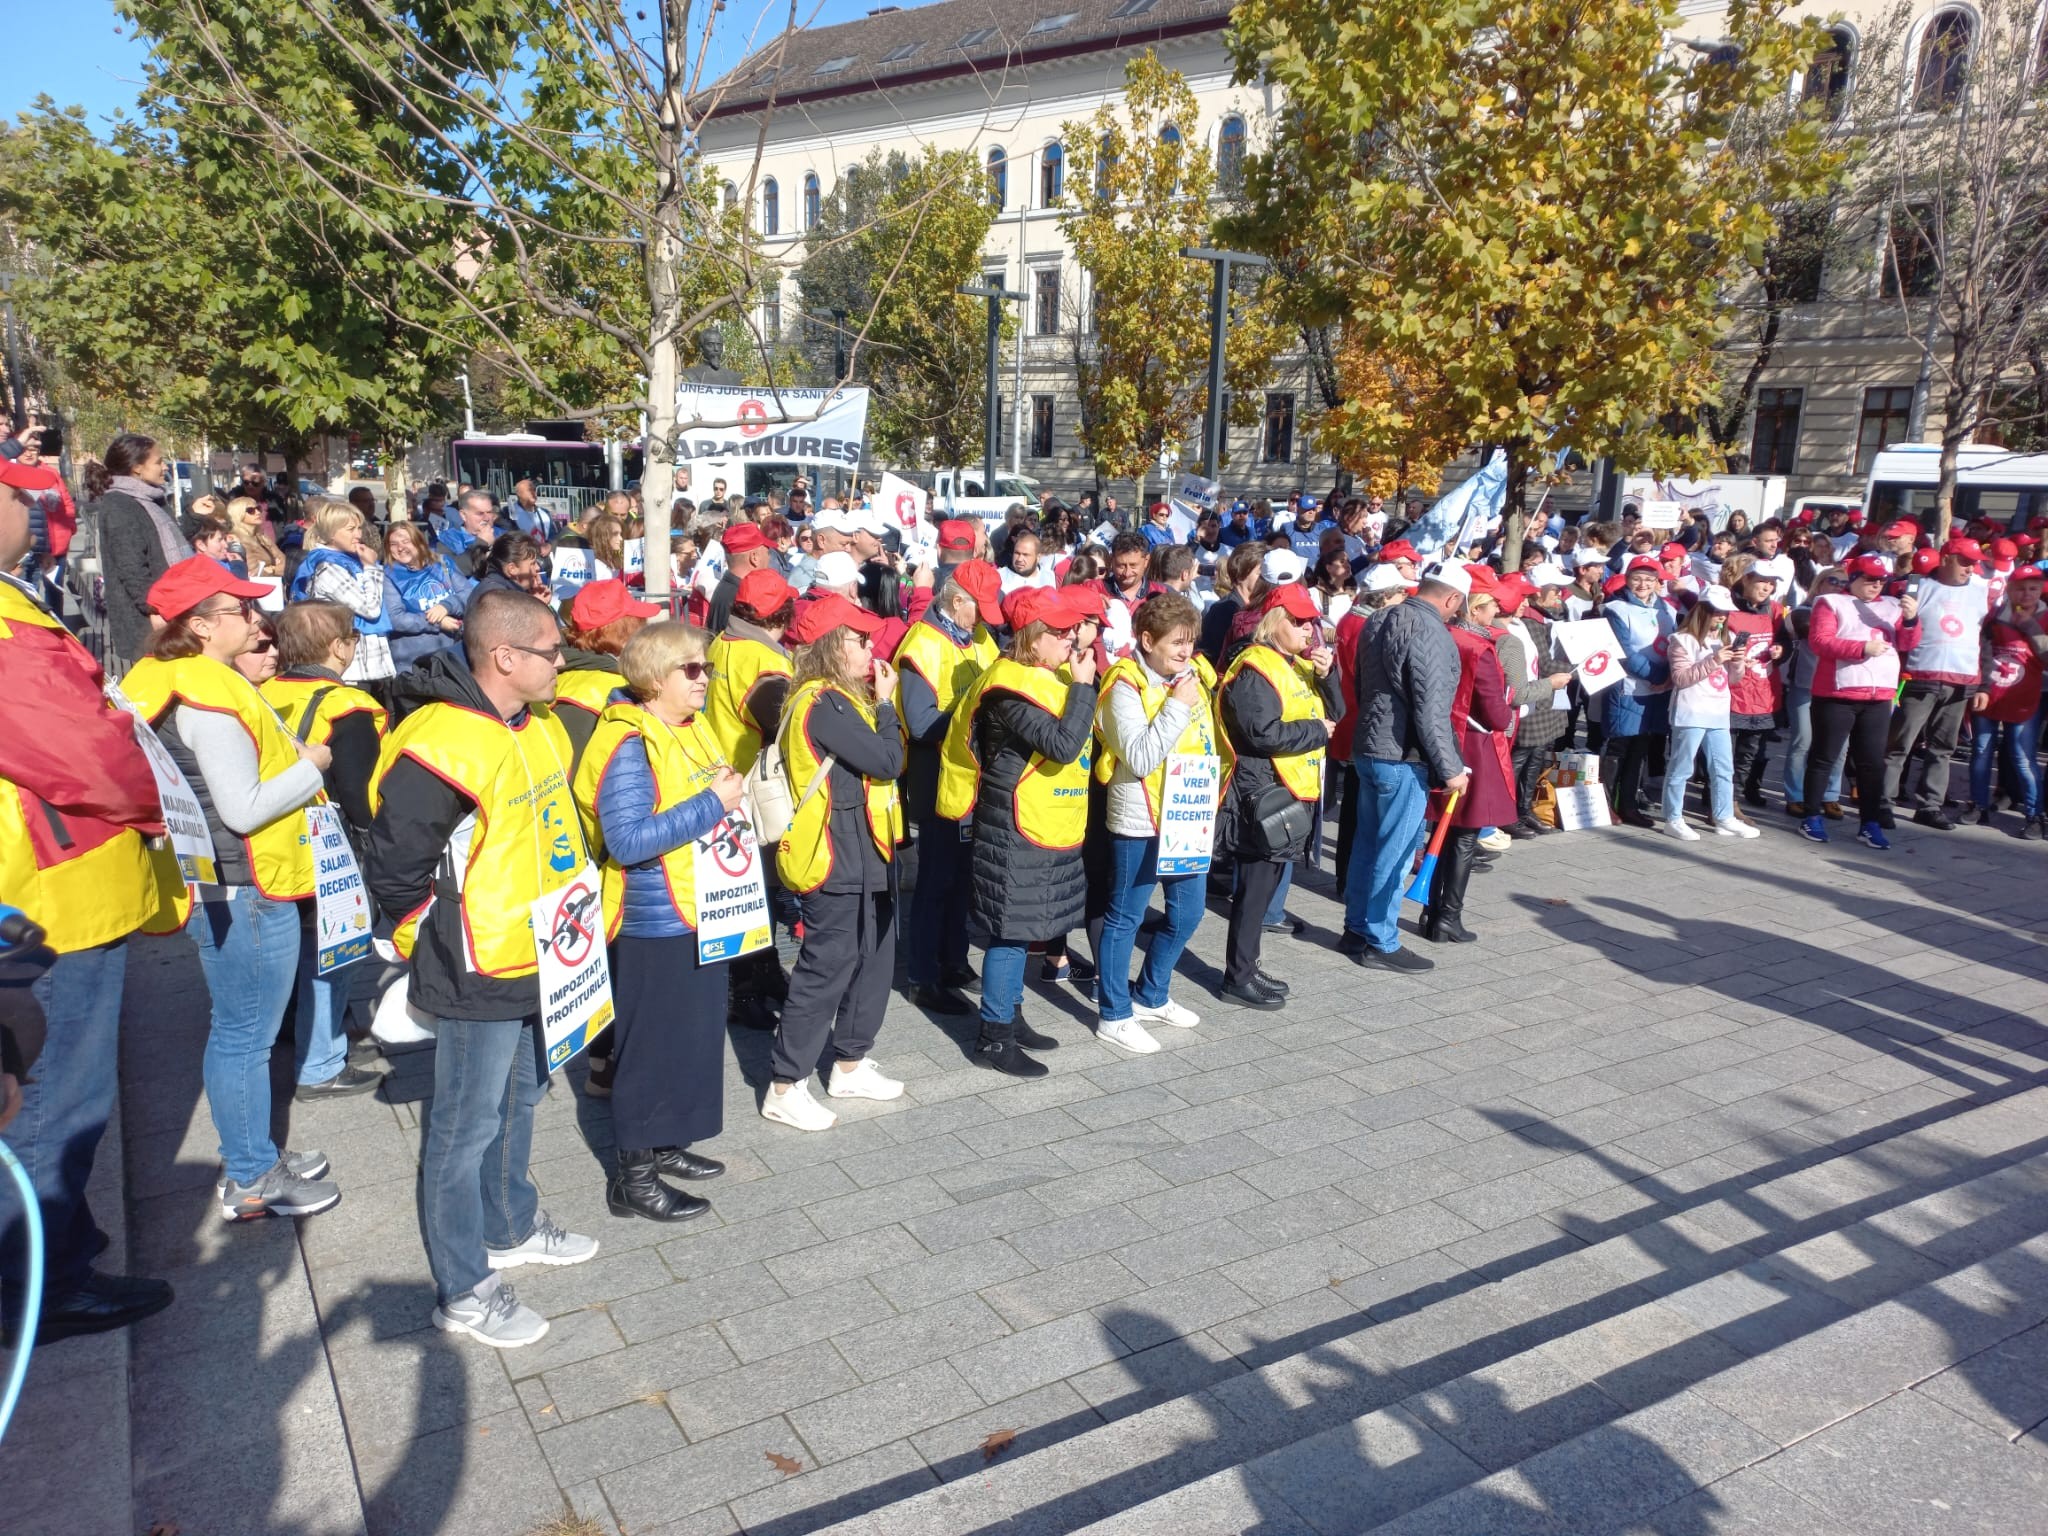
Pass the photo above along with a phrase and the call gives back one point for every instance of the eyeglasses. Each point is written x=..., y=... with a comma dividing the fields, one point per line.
x=246, y=608
x=697, y=671
x=863, y=639
x=551, y=653
x=1062, y=634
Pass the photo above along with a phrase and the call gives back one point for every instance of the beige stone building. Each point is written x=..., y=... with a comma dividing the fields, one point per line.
x=1000, y=80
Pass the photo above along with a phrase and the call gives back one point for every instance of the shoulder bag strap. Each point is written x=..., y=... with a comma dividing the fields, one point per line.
x=312, y=710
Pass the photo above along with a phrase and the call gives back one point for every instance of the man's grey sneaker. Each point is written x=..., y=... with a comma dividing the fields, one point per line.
x=280, y=1192
x=307, y=1165
x=493, y=1315
x=547, y=1244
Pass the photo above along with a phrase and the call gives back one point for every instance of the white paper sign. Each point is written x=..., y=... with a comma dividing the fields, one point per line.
x=1592, y=649
x=273, y=600
x=1198, y=492
x=636, y=556
x=185, y=822
x=1187, y=814
x=901, y=502
x=1582, y=806
x=1659, y=514
x=575, y=978
x=732, y=892
x=341, y=910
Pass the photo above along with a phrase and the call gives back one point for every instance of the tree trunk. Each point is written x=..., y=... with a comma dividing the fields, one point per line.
x=1514, y=510
x=396, y=483
x=664, y=348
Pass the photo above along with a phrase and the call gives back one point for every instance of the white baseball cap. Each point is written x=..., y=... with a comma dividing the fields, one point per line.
x=1282, y=566
x=1548, y=574
x=1589, y=556
x=836, y=570
x=831, y=519
x=1720, y=599
x=1384, y=578
x=866, y=520
x=1454, y=576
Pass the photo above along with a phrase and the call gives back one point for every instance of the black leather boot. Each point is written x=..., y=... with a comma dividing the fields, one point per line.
x=636, y=1190
x=999, y=1052
x=1441, y=923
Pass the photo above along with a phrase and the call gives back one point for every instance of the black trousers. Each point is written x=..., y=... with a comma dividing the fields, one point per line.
x=1257, y=880
x=1347, y=825
x=1632, y=757
x=1529, y=763
x=1749, y=760
x=1864, y=725
x=840, y=986
x=1927, y=723
x=667, y=1044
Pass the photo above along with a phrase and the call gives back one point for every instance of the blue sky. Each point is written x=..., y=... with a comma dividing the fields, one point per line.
x=78, y=52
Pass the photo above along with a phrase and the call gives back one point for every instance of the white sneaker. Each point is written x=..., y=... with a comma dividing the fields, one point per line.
x=1168, y=1012
x=1733, y=828
x=797, y=1108
x=1679, y=830
x=1497, y=841
x=494, y=1315
x=1128, y=1033
x=865, y=1081
x=547, y=1244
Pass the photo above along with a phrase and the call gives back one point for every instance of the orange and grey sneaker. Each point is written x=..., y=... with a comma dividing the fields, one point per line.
x=280, y=1192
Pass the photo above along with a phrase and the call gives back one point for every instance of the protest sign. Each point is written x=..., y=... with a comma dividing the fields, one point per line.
x=191, y=840
x=341, y=909
x=732, y=892
x=575, y=978
x=1589, y=645
x=1187, y=813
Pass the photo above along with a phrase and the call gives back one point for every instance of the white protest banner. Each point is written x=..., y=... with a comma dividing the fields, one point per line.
x=636, y=556
x=569, y=570
x=575, y=978
x=1187, y=813
x=1659, y=514
x=341, y=912
x=732, y=892
x=800, y=426
x=1582, y=806
x=1589, y=645
x=184, y=821
x=901, y=502
x=1198, y=493
x=273, y=600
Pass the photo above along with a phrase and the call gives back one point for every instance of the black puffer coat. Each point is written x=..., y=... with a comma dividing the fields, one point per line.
x=1251, y=714
x=1022, y=892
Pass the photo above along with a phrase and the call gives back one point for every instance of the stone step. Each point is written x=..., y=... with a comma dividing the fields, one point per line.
x=1442, y=1387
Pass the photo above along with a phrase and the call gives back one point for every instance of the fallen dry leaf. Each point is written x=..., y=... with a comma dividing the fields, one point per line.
x=998, y=1442
x=164, y=1528
x=788, y=1466
x=1555, y=901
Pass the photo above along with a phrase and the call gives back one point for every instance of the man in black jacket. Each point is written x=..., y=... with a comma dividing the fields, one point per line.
x=1407, y=677
x=480, y=1211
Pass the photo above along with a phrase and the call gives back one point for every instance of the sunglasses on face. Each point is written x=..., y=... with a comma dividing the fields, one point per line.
x=246, y=608
x=697, y=671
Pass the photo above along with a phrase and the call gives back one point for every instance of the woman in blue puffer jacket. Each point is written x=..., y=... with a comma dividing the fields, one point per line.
x=1638, y=708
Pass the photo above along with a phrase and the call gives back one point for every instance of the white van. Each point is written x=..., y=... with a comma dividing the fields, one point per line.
x=1992, y=483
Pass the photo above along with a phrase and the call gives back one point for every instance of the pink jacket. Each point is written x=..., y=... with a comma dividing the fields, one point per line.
x=1841, y=625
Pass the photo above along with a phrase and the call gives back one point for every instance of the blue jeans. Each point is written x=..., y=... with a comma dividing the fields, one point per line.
x=1799, y=706
x=249, y=953
x=474, y=1187
x=1392, y=801
x=65, y=1106
x=938, y=906
x=2021, y=742
x=1002, y=987
x=1133, y=871
x=320, y=1019
x=1687, y=742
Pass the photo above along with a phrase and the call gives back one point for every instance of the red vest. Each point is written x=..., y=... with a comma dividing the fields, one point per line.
x=1760, y=689
x=2015, y=675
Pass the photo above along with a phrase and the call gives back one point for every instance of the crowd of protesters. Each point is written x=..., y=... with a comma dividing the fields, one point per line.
x=1061, y=716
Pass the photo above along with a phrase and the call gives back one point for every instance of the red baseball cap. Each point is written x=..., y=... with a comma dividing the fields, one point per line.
x=1925, y=561
x=1964, y=549
x=1052, y=606
x=192, y=581
x=1869, y=565
x=1612, y=585
x=2024, y=541
x=764, y=591
x=954, y=534
x=738, y=538
x=1902, y=529
x=1399, y=549
x=600, y=602
x=1512, y=591
x=1294, y=599
x=980, y=581
x=1087, y=601
x=2004, y=549
x=1642, y=563
x=817, y=617
x=1674, y=551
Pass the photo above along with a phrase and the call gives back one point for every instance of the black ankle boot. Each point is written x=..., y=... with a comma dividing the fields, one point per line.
x=1032, y=1039
x=636, y=1190
x=1442, y=921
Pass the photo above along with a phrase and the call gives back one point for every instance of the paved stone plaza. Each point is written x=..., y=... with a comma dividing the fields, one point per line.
x=1705, y=1195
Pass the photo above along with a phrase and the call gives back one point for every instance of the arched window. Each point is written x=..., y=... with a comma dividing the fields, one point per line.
x=1105, y=162
x=771, y=208
x=1169, y=134
x=1169, y=142
x=998, y=178
x=1944, y=61
x=1827, y=77
x=810, y=200
x=1052, y=176
x=1230, y=154
x=732, y=196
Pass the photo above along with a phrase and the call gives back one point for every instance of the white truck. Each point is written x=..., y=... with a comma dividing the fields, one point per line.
x=961, y=493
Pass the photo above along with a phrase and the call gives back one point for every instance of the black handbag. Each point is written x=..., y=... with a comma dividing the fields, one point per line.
x=1277, y=822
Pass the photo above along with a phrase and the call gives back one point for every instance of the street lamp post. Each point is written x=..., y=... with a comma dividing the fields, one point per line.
x=995, y=293
x=1219, y=321
x=17, y=396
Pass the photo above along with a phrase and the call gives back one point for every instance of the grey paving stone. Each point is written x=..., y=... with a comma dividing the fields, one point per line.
x=695, y=1254
x=769, y=1330
x=1168, y=1311
x=1745, y=1503
x=878, y=1206
x=1505, y=1413
x=846, y=1258
x=1117, y=1144
x=833, y=1493
x=996, y=1138
x=1111, y=1184
x=1022, y=1424
x=1076, y=1286
x=1077, y=1236
x=1753, y=1308
x=2004, y=1388
x=1287, y=1327
x=590, y=1447
x=403, y=1388
x=1394, y=1290
x=1223, y=1502
x=890, y=1345
x=1194, y=1203
x=712, y=1405
x=1032, y=1357
x=999, y=1216
x=1187, y=1251
x=1313, y=1263
x=701, y=1475
x=579, y=1389
x=1361, y=1474
x=1405, y=1233
x=1294, y=1171
x=1204, y=1158
x=1155, y=1374
x=1643, y=1355
x=484, y=1475
x=886, y=1409
x=728, y=1293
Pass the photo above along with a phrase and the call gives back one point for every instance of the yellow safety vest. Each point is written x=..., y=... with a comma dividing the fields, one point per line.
x=292, y=696
x=949, y=669
x=804, y=858
x=281, y=853
x=738, y=664
x=1050, y=805
x=1203, y=737
x=525, y=839
x=587, y=689
x=684, y=760
x=1294, y=680
x=79, y=897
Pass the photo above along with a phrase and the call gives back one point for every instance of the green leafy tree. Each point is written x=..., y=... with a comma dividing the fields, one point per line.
x=1140, y=192
x=895, y=241
x=1546, y=206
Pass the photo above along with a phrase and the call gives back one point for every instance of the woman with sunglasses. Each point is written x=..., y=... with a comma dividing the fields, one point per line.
x=1857, y=639
x=1279, y=702
x=652, y=785
x=253, y=780
x=1016, y=759
x=843, y=752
